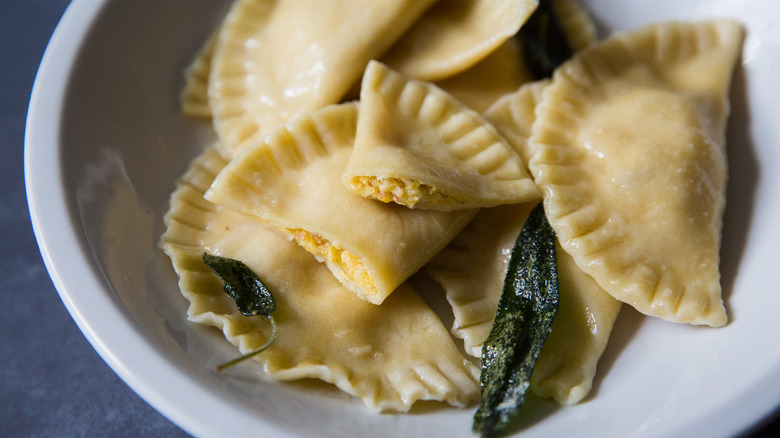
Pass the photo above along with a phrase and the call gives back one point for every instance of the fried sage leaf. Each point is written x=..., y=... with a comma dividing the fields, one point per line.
x=252, y=296
x=544, y=42
x=526, y=310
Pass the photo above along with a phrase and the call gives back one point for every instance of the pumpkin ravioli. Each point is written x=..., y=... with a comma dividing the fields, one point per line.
x=389, y=356
x=628, y=151
x=472, y=268
x=418, y=146
x=292, y=180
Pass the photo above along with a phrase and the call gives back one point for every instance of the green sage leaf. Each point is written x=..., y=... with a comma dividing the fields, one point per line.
x=251, y=294
x=526, y=310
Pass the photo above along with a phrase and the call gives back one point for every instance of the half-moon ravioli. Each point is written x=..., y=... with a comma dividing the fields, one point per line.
x=274, y=60
x=453, y=35
x=508, y=100
x=472, y=268
x=418, y=146
x=576, y=23
x=513, y=115
x=506, y=69
x=292, y=180
x=194, y=98
x=389, y=356
x=506, y=66
x=629, y=154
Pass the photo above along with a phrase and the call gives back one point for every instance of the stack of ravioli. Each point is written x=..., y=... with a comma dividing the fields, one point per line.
x=360, y=143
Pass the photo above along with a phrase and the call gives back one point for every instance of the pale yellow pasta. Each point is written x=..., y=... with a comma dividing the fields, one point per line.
x=418, y=146
x=389, y=356
x=453, y=35
x=275, y=60
x=579, y=28
x=568, y=361
x=513, y=116
x=506, y=70
x=509, y=99
x=292, y=180
x=629, y=154
x=504, y=65
x=472, y=268
x=194, y=98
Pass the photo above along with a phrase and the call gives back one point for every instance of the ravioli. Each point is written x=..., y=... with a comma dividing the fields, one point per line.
x=472, y=268
x=389, y=356
x=513, y=115
x=504, y=66
x=576, y=23
x=453, y=35
x=292, y=180
x=194, y=98
x=629, y=154
x=509, y=99
x=418, y=146
x=276, y=60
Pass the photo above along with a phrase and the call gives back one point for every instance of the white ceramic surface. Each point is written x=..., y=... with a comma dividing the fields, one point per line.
x=106, y=141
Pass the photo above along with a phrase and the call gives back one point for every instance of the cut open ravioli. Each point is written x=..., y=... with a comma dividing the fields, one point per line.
x=292, y=180
x=418, y=146
x=628, y=150
x=472, y=268
x=389, y=356
x=453, y=35
x=276, y=60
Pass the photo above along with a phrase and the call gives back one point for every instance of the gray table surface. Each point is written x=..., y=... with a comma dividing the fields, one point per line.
x=52, y=383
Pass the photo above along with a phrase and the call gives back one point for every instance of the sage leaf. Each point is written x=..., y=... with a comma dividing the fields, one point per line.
x=544, y=42
x=251, y=294
x=526, y=310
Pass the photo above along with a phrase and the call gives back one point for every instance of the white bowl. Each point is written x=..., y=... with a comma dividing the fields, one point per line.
x=106, y=141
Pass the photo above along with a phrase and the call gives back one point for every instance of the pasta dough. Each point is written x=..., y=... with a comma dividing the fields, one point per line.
x=504, y=65
x=276, y=60
x=388, y=356
x=506, y=69
x=629, y=154
x=292, y=180
x=194, y=98
x=510, y=108
x=579, y=28
x=418, y=146
x=453, y=35
x=513, y=116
